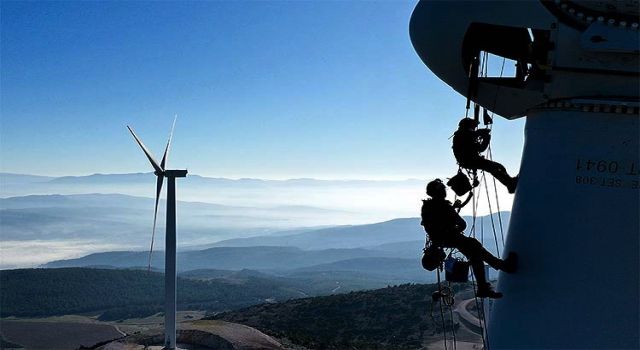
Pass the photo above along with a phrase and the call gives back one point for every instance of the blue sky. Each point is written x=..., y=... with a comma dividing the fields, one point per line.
x=262, y=89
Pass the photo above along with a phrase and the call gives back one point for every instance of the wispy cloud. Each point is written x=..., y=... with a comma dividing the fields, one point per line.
x=16, y=254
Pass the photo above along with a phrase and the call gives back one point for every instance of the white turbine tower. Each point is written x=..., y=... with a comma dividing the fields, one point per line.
x=574, y=223
x=170, y=240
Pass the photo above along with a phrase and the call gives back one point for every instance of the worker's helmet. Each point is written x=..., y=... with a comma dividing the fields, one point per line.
x=436, y=188
x=468, y=123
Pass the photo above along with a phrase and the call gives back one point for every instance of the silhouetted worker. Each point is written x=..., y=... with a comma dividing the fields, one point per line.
x=445, y=229
x=469, y=142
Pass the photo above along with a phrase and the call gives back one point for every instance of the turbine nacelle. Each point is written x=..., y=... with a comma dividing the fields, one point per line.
x=175, y=173
x=561, y=50
x=171, y=173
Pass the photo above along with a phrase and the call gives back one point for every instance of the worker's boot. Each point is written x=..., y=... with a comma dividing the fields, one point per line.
x=485, y=291
x=510, y=264
x=513, y=183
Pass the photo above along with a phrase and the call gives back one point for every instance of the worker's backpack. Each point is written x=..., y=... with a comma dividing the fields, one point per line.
x=432, y=257
x=460, y=183
x=456, y=270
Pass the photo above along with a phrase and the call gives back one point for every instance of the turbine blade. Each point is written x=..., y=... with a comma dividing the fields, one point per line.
x=165, y=156
x=154, y=164
x=155, y=216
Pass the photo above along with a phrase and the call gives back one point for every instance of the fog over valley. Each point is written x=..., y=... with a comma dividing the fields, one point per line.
x=54, y=218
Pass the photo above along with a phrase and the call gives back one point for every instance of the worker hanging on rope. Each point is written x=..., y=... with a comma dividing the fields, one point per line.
x=445, y=228
x=469, y=143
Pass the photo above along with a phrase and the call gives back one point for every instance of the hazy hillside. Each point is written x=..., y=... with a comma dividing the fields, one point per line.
x=74, y=201
x=339, y=276
x=390, y=318
x=127, y=219
x=400, y=236
x=400, y=247
x=395, y=270
x=340, y=237
x=225, y=258
x=309, y=282
x=51, y=227
x=395, y=261
x=38, y=228
x=8, y=179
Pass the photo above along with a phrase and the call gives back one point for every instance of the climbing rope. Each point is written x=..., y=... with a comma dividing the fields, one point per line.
x=444, y=326
x=475, y=204
x=480, y=310
x=495, y=189
x=493, y=226
x=476, y=193
x=449, y=291
x=478, y=301
x=450, y=306
x=490, y=155
x=482, y=229
x=483, y=73
x=495, y=98
x=446, y=299
x=480, y=67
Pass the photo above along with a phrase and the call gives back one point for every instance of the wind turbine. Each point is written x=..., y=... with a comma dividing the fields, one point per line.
x=574, y=222
x=170, y=239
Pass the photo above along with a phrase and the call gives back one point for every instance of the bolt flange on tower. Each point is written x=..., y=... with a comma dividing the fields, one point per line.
x=575, y=221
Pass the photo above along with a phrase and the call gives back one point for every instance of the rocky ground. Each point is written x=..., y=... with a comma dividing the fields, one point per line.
x=73, y=332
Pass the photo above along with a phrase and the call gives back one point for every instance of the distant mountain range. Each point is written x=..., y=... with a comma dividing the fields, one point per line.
x=225, y=258
x=395, y=270
x=388, y=251
x=296, y=202
x=393, y=231
x=398, y=238
x=7, y=179
x=401, y=236
x=83, y=211
x=241, y=242
x=126, y=220
x=145, y=178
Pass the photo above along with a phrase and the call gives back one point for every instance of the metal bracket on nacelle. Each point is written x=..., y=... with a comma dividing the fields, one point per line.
x=603, y=38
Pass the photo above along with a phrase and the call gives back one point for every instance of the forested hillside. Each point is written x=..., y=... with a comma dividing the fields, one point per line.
x=117, y=294
x=394, y=317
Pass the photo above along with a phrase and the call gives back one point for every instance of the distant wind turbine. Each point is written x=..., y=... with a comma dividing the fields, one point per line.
x=170, y=239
